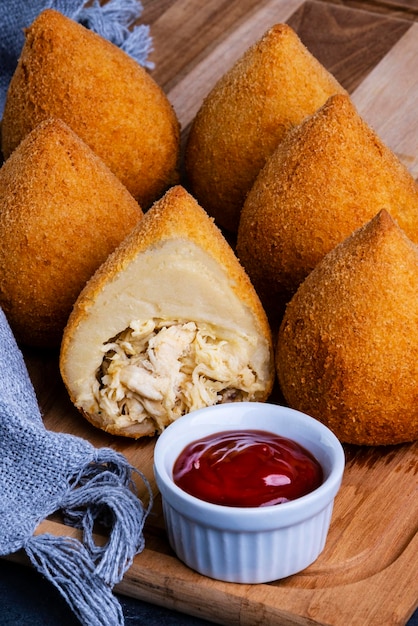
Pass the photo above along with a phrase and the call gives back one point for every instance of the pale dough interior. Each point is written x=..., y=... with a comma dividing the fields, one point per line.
x=165, y=336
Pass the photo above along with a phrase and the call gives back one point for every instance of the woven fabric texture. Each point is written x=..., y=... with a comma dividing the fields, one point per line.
x=43, y=472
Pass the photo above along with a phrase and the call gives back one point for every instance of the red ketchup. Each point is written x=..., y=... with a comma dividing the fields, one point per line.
x=249, y=468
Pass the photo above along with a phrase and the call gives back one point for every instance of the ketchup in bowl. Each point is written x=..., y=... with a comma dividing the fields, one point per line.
x=250, y=468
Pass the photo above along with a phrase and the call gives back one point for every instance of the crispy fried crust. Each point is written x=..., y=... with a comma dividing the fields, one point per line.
x=62, y=211
x=67, y=71
x=132, y=284
x=273, y=87
x=328, y=177
x=347, y=351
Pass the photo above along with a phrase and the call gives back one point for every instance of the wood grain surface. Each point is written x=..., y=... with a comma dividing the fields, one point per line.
x=368, y=572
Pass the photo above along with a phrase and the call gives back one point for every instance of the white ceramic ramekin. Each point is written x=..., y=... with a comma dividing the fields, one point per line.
x=248, y=545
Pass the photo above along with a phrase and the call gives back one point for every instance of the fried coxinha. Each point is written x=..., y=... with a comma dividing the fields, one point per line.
x=270, y=89
x=348, y=343
x=329, y=176
x=62, y=212
x=168, y=324
x=68, y=72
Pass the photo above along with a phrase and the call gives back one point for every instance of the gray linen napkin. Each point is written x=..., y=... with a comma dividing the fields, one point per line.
x=42, y=472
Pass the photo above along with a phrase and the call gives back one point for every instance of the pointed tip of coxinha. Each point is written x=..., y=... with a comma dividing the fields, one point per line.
x=174, y=268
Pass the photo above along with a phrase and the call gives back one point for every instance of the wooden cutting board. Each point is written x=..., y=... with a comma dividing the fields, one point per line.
x=368, y=572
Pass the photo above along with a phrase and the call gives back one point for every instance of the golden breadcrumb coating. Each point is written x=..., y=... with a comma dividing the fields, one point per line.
x=270, y=89
x=69, y=72
x=347, y=352
x=174, y=271
x=62, y=212
x=328, y=177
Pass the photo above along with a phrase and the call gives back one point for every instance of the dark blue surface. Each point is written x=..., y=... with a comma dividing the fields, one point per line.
x=26, y=599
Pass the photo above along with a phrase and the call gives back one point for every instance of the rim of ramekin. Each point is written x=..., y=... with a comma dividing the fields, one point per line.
x=246, y=518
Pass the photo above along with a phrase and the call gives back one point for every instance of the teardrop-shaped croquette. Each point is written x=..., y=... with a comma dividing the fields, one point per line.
x=62, y=212
x=271, y=88
x=69, y=72
x=170, y=323
x=328, y=177
x=347, y=352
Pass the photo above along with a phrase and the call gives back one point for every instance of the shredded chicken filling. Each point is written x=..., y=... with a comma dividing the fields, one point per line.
x=162, y=370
